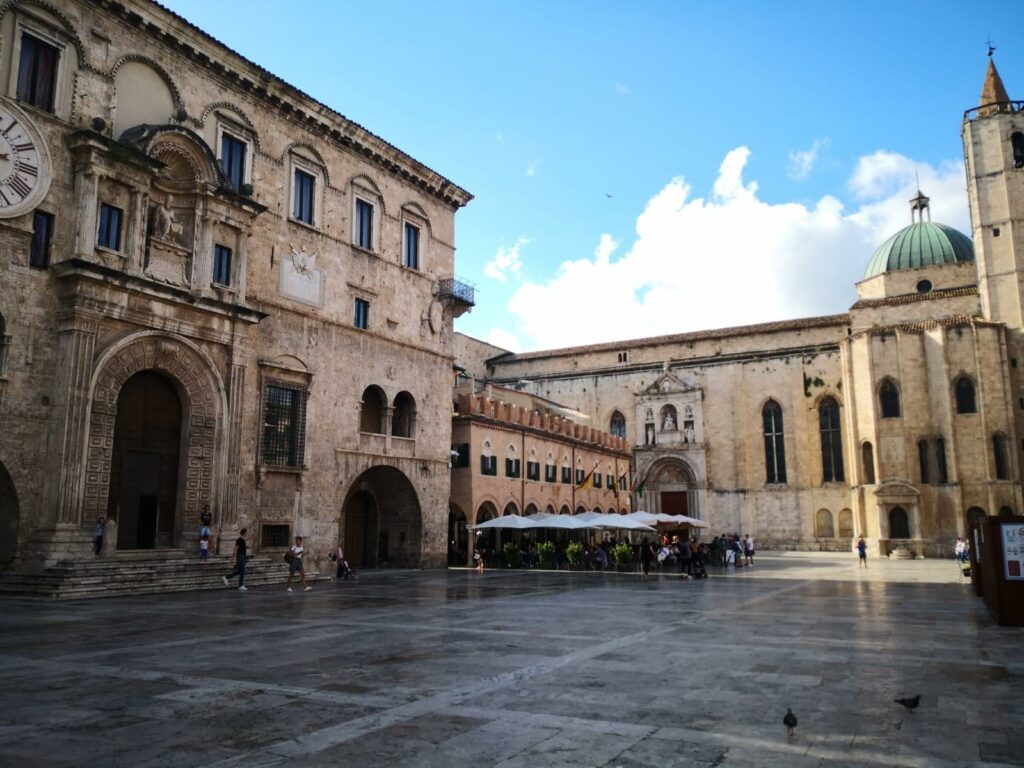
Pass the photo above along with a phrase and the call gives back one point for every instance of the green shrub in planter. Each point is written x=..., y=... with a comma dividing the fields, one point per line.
x=513, y=557
x=546, y=552
x=623, y=554
x=574, y=553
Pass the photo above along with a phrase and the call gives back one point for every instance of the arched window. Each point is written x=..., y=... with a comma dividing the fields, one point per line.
x=774, y=443
x=846, y=524
x=899, y=523
x=510, y=509
x=1017, y=143
x=618, y=425
x=963, y=390
x=889, y=399
x=1002, y=464
x=1005, y=512
x=975, y=515
x=823, y=525
x=371, y=412
x=403, y=420
x=867, y=459
x=831, y=441
x=488, y=461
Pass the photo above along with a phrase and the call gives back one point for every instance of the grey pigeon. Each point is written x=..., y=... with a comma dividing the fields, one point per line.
x=910, y=704
x=790, y=722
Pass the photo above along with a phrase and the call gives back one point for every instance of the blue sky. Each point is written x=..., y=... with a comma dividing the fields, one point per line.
x=652, y=167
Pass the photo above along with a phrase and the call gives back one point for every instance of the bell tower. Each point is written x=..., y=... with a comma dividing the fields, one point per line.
x=993, y=137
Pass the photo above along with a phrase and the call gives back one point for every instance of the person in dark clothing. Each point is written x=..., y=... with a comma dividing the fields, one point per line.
x=685, y=557
x=646, y=555
x=98, y=537
x=240, y=555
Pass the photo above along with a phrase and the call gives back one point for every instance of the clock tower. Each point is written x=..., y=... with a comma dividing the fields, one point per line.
x=24, y=163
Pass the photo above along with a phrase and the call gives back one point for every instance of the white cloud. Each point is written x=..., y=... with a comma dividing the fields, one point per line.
x=504, y=339
x=531, y=169
x=621, y=89
x=731, y=259
x=500, y=138
x=505, y=261
x=803, y=161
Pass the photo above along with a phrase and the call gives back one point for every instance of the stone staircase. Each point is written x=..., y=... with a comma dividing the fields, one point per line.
x=140, y=573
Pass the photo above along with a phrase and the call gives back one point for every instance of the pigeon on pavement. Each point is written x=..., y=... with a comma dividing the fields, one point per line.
x=910, y=704
x=790, y=722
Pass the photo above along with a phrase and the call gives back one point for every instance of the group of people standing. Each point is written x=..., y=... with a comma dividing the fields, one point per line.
x=729, y=549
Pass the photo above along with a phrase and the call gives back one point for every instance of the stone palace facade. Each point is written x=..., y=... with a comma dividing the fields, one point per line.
x=198, y=264
x=900, y=419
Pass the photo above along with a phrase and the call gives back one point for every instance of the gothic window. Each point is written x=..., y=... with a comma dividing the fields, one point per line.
x=550, y=470
x=867, y=458
x=774, y=443
x=899, y=523
x=488, y=461
x=889, y=399
x=403, y=419
x=566, y=471
x=284, y=425
x=940, y=459
x=512, y=466
x=966, y=402
x=371, y=411
x=823, y=527
x=618, y=425
x=831, y=441
x=1017, y=142
x=1002, y=464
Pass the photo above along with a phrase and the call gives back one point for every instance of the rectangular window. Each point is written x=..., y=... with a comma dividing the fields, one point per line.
x=550, y=473
x=511, y=467
x=622, y=484
x=232, y=160
x=580, y=476
x=610, y=482
x=412, y=246
x=364, y=225
x=532, y=470
x=110, y=227
x=284, y=425
x=276, y=536
x=37, y=73
x=42, y=233
x=221, y=265
x=305, y=188
x=567, y=475
x=597, y=479
x=362, y=314
x=488, y=465
x=460, y=456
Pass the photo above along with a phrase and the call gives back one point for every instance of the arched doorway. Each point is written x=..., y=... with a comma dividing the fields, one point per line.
x=381, y=524
x=144, y=466
x=8, y=518
x=673, y=484
x=458, y=536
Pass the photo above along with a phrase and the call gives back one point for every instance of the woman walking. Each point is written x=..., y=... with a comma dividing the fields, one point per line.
x=295, y=565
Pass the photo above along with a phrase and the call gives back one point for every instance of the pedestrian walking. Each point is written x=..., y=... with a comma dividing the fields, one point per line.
x=748, y=549
x=240, y=555
x=862, y=552
x=295, y=565
x=685, y=557
x=204, y=548
x=98, y=534
x=646, y=555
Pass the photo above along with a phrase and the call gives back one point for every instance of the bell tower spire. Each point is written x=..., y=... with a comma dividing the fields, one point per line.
x=993, y=93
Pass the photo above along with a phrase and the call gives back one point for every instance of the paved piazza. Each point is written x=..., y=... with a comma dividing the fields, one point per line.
x=454, y=668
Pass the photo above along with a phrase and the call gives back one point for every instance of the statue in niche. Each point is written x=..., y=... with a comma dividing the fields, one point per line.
x=689, y=436
x=650, y=434
x=670, y=423
x=163, y=223
x=650, y=416
x=687, y=412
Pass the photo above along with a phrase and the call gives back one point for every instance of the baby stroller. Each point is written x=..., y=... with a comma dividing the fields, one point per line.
x=345, y=572
x=697, y=568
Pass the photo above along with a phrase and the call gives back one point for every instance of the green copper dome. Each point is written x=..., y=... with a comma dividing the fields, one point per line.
x=922, y=244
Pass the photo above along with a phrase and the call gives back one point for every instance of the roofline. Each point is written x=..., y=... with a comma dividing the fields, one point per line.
x=264, y=85
x=779, y=326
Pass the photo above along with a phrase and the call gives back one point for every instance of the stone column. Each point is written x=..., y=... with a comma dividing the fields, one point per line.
x=236, y=401
x=86, y=195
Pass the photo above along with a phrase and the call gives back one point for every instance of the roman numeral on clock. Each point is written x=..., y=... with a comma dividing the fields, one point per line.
x=23, y=147
x=28, y=169
x=19, y=187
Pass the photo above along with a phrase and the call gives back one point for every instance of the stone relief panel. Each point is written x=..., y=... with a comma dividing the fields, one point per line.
x=300, y=279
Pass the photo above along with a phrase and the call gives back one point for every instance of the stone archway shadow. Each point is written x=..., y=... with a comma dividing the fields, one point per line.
x=381, y=521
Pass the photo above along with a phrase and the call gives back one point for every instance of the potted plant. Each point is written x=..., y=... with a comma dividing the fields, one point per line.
x=546, y=554
x=574, y=553
x=511, y=555
x=623, y=554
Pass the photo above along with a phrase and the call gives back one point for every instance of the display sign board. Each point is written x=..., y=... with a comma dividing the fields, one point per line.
x=1013, y=551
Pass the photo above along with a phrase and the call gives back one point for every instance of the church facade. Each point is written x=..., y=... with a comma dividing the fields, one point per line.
x=214, y=290
x=898, y=420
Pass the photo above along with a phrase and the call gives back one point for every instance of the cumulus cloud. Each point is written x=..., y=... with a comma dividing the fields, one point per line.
x=504, y=339
x=505, y=261
x=731, y=259
x=803, y=161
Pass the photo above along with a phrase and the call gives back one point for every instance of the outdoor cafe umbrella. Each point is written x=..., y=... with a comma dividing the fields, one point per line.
x=514, y=522
x=622, y=523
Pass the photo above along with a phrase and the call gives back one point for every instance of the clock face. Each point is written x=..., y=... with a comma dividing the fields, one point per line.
x=24, y=163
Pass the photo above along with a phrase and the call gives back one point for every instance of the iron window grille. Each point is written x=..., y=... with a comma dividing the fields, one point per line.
x=284, y=425
x=275, y=536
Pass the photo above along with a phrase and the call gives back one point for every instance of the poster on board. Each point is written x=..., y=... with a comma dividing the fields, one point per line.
x=1013, y=551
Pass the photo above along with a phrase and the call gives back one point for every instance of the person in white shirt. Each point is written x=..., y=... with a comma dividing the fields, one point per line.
x=295, y=565
x=748, y=549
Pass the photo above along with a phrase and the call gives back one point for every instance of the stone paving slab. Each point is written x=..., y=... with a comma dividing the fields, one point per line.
x=523, y=669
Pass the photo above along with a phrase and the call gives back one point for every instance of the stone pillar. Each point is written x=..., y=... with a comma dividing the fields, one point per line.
x=86, y=194
x=226, y=522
